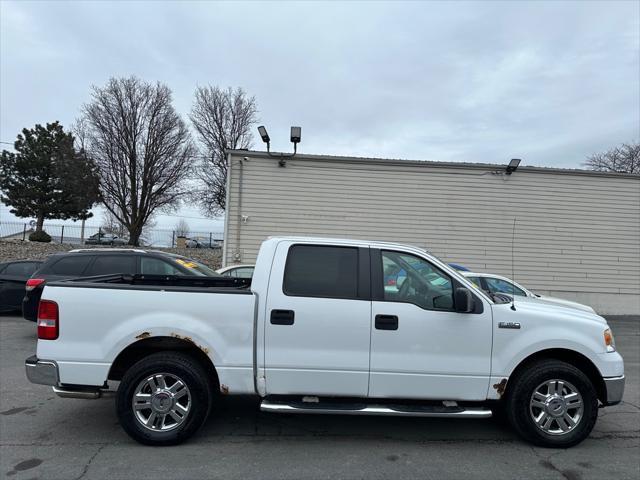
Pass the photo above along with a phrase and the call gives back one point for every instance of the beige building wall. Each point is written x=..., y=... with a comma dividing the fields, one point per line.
x=577, y=234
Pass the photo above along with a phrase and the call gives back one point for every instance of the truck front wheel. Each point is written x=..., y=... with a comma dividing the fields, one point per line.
x=552, y=404
x=164, y=398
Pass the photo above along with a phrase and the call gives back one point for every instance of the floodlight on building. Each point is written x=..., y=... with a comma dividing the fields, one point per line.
x=264, y=135
x=296, y=135
x=513, y=166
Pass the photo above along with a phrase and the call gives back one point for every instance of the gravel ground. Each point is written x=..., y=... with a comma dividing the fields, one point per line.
x=46, y=437
x=19, y=250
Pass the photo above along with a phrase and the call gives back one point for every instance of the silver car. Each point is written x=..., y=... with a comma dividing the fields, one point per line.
x=105, y=239
x=499, y=284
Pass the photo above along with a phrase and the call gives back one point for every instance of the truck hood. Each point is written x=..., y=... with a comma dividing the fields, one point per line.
x=560, y=310
x=566, y=303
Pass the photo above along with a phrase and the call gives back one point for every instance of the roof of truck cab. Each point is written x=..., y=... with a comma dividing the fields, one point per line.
x=108, y=250
x=351, y=241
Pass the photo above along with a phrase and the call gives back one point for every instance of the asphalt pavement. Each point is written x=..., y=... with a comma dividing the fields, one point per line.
x=46, y=437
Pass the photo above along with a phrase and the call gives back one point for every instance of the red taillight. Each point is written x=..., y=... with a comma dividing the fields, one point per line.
x=33, y=283
x=47, y=320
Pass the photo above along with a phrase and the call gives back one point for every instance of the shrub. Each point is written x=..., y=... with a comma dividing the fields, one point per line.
x=40, y=237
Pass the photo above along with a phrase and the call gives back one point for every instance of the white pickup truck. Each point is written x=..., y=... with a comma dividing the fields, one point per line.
x=327, y=327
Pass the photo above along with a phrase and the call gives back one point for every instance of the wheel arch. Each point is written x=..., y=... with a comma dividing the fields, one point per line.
x=147, y=346
x=577, y=359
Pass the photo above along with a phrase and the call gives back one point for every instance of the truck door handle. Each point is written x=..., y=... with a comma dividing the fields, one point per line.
x=282, y=317
x=386, y=322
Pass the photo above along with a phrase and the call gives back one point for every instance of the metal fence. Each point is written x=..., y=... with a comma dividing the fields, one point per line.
x=77, y=234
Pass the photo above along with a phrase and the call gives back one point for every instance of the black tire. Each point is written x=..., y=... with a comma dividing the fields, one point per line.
x=499, y=413
x=520, y=414
x=174, y=365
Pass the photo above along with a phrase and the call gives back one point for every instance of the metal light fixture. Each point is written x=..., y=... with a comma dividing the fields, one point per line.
x=264, y=135
x=513, y=166
x=296, y=135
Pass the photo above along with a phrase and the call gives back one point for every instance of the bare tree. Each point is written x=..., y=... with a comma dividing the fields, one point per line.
x=182, y=228
x=110, y=224
x=142, y=148
x=622, y=159
x=223, y=120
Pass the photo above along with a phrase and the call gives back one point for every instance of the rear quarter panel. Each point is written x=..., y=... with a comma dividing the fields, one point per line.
x=96, y=324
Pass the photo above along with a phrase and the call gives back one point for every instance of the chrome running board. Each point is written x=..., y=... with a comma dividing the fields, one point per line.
x=390, y=410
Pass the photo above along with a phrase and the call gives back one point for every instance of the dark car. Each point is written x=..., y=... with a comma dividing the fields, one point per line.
x=13, y=277
x=459, y=267
x=93, y=262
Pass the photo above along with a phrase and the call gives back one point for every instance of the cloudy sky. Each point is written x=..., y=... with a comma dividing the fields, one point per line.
x=550, y=82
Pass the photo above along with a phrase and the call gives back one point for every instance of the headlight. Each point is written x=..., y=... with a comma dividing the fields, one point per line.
x=609, y=341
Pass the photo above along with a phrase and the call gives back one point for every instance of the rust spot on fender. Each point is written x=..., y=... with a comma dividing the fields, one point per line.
x=143, y=335
x=501, y=387
x=224, y=389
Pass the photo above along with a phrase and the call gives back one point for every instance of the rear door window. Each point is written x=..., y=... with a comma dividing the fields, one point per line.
x=71, y=265
x=321, y=271
x=112, y=264
x=244, y=272
x=23, y=269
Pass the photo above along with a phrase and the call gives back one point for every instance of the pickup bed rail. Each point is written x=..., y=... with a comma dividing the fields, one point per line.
x=159, y=280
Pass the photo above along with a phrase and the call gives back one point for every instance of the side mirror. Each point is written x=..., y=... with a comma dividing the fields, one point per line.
x=464, y=300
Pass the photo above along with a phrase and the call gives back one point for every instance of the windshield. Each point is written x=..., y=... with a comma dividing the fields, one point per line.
x=195, y=268
x=497, y=285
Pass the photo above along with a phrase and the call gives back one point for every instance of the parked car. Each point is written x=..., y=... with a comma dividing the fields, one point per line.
x=92, y=262
x=105, y=239
x=318, y=332
x=202, y=243
x=238, y=271
x=460, y=268
x=498, y=284
x=13, y=278
x=194, y=243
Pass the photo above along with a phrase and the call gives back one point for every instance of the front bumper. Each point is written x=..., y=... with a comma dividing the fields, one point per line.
x=615, y=389
x=45, y=372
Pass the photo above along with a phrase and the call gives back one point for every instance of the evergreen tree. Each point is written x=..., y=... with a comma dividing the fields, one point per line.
x=46, y=177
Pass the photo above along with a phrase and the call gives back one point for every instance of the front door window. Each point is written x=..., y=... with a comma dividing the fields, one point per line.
x=410, y=279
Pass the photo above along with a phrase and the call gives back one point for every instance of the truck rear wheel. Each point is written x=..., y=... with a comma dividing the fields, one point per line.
x=552, y=404
x=164, y=398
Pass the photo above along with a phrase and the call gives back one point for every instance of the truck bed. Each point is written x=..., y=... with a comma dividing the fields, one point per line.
x=95, y=326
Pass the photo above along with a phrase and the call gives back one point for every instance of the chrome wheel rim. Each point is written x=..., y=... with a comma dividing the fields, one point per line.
x=556, y=407
x=161, y=402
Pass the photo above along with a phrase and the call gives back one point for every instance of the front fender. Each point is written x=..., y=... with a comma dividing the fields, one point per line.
x=544, y=328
